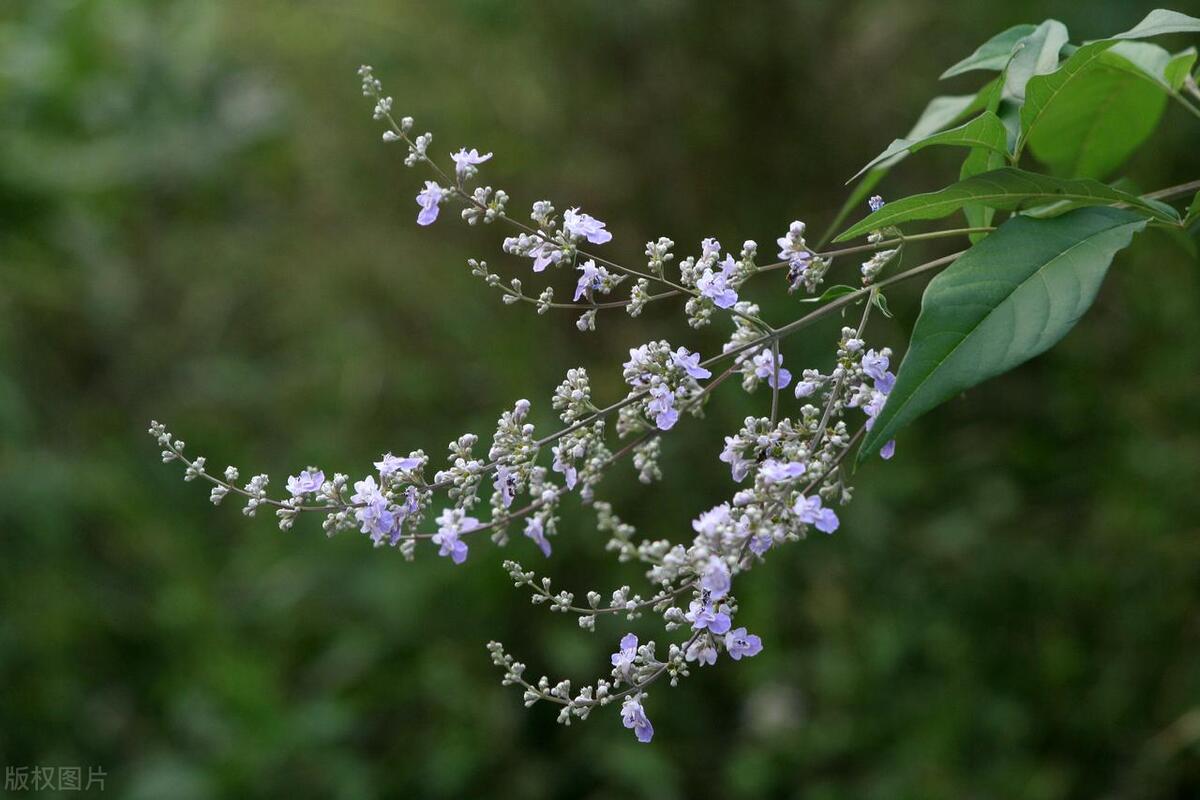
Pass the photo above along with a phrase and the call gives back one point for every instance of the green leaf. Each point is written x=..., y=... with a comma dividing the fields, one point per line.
x=985, y=131
x=940, y=112
x=1036, y=54
x=1042, y=89
x=832, y=293
x=1140, y=59
x=1096, y=120
x=1193, y=214
x=981, y=160
x=1177, y=69
x=992, y=54
x=1161, y=21
x=1005, y=189
x=1009, y=298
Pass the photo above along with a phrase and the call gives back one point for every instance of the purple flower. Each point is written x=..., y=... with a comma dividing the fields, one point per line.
x=715, y=286
x=792, y=247
x=708, y=522
x=805, y=388
x=738, y=644
x=634, y=716
x=535, y=530
x=885, y=382
x=875, y=203
x=874, y=364
x=781, y=472
x=309, y=480
x=761, y=543
x=690, y=363
x=373, y=514
x=810, y=512
x=738, y=465
x=589, y=281
x=391, y=464
x=765, y=368
x=506, y=484
x=888, y=450
x=545, y=254
x=798, y=270
x=585, y=226
x=716, y=580
x=428, y=200
x=662, y=406
x=452, y=522
x=702, y=650
x=874, y=406
x=464, y=162
x=412, y=500
x=569, y=473
x=702, y=615
x=623, y=659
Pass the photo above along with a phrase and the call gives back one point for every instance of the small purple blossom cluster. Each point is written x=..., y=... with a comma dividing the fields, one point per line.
x=667, y=377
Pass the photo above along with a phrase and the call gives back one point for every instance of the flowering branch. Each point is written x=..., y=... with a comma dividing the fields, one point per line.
x=788, y=467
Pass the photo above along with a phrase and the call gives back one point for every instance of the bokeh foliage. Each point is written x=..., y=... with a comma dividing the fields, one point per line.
x=200, y=224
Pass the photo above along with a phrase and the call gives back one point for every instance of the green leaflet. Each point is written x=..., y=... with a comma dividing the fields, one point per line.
x=984, y=131
x=1193, y=214
x=1161, y=21
x=1036, y=54
x=1009, y=298
x=992, y=54
x=1006, y=189
x=1043, y=91
x=1177, y=69
x=1102, y=115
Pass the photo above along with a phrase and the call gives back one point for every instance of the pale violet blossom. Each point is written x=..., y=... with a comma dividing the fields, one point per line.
x=703, y=617
x=716, y=580
x=590, y=279
x=453, y=522
x=690, y=363
x=739, y=644
x=774, y=471
x=585, y=226
x=391, y=464
x=766, y=367
x=810, y=511
x=307, y=482
x=623, y=659
x=702, y=651
x=465, y=161
x=535, y=529
x=428, y=200
x=633, y=716
x=714, y=284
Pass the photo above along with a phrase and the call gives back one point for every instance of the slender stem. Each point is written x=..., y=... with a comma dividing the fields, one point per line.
x=899, y=240
x=774, y=382
x=1171, y=192
x=579, y=307
x=841, y=381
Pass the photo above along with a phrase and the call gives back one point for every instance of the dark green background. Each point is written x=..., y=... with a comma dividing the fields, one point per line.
x=198, y=223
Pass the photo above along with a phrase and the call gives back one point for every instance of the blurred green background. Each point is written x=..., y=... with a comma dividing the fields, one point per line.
x=199, y=223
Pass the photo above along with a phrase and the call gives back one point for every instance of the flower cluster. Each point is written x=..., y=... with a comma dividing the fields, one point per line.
x=785, y=466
